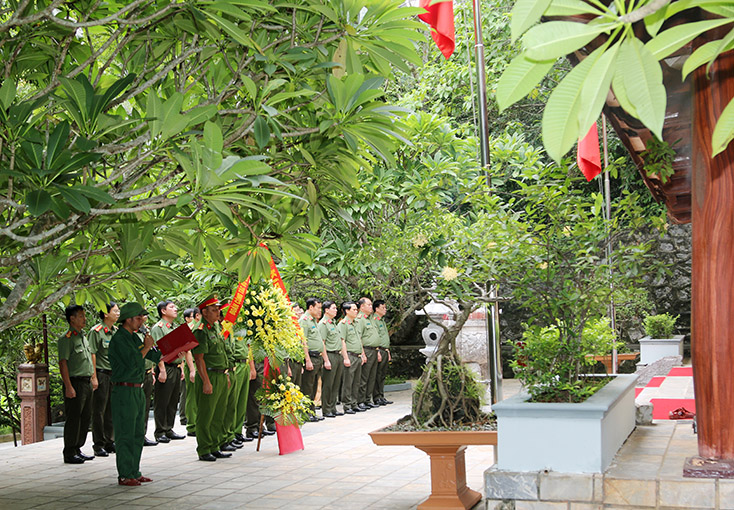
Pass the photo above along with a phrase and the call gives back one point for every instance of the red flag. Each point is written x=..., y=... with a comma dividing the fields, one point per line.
x=440, y=16
x=587, y=155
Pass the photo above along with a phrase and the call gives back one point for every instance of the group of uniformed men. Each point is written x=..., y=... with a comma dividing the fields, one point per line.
x=351, y=354
x=118, y=363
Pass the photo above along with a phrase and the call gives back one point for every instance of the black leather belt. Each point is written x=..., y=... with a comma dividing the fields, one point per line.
x=334, y=352
x=80, y=378
x=314, y=353
x=370, y=347
x=104, y=371
x=355, y=353
x=171, y=364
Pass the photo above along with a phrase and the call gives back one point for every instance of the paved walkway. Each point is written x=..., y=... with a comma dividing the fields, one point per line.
x=340, y=468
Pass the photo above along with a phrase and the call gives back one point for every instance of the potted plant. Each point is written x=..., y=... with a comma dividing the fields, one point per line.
x=565, y=420
x=660, y=340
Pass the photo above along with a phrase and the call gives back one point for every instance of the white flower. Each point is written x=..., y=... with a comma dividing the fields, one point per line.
x=449, y=273
x=420, y=240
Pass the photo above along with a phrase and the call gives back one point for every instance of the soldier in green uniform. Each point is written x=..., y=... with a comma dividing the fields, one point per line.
x=212, y=381
x=99, y=343
x=168, y=378
x=353, y=347
x=338, y=358
x=75, y=365
x=127, y=355
x=242, y=370
x=187, y=407
x=383, y=353
x=315, y=352
x=370, y=342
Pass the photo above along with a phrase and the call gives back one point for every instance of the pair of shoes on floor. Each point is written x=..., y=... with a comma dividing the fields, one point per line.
x=83, y=456
x=681, y=414
x=132, y=482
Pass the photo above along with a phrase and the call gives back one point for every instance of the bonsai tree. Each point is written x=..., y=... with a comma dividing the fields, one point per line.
x=548, y=247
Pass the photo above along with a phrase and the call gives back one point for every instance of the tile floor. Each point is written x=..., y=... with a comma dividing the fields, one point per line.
x=340, y=468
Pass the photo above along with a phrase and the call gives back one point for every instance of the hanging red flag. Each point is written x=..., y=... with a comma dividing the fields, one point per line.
x=440, y=17
x=587, y=154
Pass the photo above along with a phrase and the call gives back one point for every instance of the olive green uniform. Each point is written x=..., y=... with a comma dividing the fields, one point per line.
x=331, y=379
x=367, y=329
x=212, y=408
x=379, y=392
x=102, y=430
x=352, y=373
x=239, y=376
x=128, y=405
x=315, y=346
x=73, y=348
x=166, y=393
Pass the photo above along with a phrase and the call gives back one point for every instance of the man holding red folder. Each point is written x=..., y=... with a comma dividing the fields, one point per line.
x=168, y=378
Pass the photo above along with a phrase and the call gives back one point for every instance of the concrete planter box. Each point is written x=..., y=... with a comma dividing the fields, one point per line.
x=653, y=349
x=569, y=438
x=398, y=386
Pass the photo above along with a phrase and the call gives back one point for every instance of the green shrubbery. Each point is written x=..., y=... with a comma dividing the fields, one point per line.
x=660, y=326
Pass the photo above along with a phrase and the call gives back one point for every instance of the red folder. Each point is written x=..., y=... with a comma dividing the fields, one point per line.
x=179, y=340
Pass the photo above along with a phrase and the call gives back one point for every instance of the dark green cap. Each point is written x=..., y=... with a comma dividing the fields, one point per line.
x=129, y=310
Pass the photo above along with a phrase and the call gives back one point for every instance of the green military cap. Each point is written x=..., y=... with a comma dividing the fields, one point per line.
x=129, y=310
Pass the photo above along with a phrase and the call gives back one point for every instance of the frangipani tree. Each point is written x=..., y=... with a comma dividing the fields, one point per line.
x=135, y=132
x=627, y=61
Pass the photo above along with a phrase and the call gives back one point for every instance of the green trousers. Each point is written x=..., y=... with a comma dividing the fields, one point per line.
x=350, y=382
x=381, y=374
x=368, y=376
x=190, y=401
x=102, y=430
x=330, y=380
x=310, y=379
x=128, y=420
x=211, y=411
x=237, y=400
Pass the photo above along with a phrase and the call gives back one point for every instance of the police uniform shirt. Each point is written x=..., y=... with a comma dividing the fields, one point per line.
x=329, y=331
x=211, y=345
x=348, y=331
x=99, y=344
x=74, y=348
x=311, y=331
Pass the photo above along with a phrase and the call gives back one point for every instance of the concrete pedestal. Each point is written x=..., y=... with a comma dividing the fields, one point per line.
x=33, y=390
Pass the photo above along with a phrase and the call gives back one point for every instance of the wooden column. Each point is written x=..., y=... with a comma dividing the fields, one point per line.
x=712, y=284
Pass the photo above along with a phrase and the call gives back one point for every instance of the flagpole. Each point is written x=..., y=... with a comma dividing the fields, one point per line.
x=494, y=360
x=481, y=88
x=608, y=193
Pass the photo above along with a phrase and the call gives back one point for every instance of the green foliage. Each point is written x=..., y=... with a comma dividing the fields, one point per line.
x=631, y=67
x=133, y=134
x=551, y=368
x=660, y=326
x=658, y=157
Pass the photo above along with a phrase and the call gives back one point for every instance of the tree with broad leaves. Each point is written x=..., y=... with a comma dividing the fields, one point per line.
x=136, y=132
